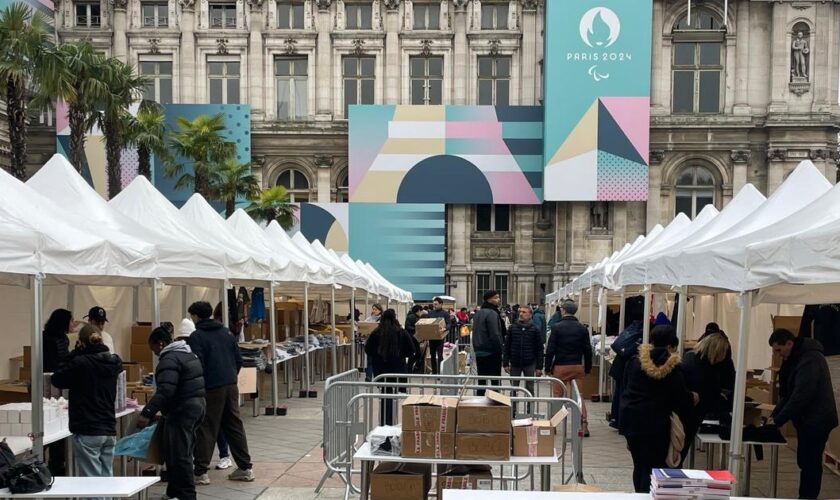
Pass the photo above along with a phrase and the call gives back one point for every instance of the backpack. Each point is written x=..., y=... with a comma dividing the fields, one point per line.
x=7, y=459
x=28, y=476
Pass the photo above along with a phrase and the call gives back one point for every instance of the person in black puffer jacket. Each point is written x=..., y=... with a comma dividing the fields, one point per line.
x=524, y=345
x=56, y=352
x=626, y=347
x=90, y=374
x=389, y=347
x=180, y=397
x=568, y=355
x=654, y=389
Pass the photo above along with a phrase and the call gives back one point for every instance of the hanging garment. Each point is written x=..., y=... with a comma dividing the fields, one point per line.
x=822, y=323
x=233, y=311
x=243, y=303
x=257, y=306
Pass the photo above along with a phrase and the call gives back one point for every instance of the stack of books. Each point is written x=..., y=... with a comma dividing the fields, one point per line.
x=680, y=484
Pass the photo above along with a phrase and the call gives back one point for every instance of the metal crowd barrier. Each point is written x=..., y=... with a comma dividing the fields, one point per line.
x=349, y=414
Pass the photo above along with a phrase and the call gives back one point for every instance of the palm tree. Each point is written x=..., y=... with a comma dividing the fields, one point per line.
x=273, y=204
x=124, y=87
x=201, y=141
x=77, y=80
x=24, y=60
x=147, y=132
x=232, y=180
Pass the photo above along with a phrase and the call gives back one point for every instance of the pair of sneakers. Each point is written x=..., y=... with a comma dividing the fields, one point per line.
x=237, y=475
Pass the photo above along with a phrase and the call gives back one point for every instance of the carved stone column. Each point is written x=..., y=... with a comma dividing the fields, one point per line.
x=529, y=51
x=324, y=165
x=323, y=72
x=120, y=25
x=776, y=159
x=460, y=57
x=742, y=57
x=187, y=52
x=740, y=165
x=256, y=87
x=654, y=203
x=392, y=51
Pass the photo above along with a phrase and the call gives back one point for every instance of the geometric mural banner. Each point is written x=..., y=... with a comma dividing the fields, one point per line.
x=405, y=242
x=327, y=223
x=597, y=100
x=446, y=154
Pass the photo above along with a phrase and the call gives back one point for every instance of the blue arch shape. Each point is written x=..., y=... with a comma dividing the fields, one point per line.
x=445, y=179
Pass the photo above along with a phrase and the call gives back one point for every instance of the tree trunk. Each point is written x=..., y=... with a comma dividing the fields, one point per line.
x=145, y=162
x=76, y=116
x=230, y=207
x=113, y=152
x=16, y=115
x=202, y=183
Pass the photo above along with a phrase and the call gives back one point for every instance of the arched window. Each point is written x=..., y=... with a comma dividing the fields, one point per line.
x=296, y=184
x=697, y=64
x=342, y=188
x=695, y=188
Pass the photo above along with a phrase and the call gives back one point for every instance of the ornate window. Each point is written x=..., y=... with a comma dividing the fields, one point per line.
x=155, y=14
x=342, y=191
x=290, y=15
x=494, y=80
x=296, y=184
x=223, y=76
x=223, y=16
x=359, y=79
x=426, y=74
x=494, y=16
x=695, y=188
x=159, y=88
x=291, y=82
x=426, y=16
x=486, y=281
x=492, y=218
x=358, y=16
x=88, y=15
x=698, y=56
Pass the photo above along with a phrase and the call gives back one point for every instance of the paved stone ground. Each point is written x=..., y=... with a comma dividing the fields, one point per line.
x=287, y=454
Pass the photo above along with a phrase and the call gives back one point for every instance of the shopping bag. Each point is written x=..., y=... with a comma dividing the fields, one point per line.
x=155, y=453
x=136, y=445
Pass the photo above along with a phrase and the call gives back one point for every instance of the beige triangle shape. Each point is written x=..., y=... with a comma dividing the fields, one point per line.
x=583, y=138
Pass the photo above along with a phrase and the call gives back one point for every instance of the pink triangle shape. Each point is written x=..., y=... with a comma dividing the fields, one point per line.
x=632, y=114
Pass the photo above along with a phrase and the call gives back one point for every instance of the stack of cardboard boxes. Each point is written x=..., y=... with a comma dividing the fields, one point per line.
x=140, y=353
x=465, y=428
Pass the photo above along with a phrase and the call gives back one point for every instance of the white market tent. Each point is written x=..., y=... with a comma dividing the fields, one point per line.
x=319, y=272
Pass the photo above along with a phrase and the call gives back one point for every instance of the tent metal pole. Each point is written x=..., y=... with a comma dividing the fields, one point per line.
x=646, y=317
x=353, y=328
x=681, y=313
x=185, y=290
x=157, y=285
x=367, y=303
x=306, y=360
x=135, y=304
x=272, y=329
x=37, y=369
x=223, y=298
x=736, y=450
x=334, y=336
x=602, y=324
x=622, y=313
x=590, y=320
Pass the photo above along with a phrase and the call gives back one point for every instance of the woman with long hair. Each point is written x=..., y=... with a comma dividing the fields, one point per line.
x=56, y=342
x=389, y=347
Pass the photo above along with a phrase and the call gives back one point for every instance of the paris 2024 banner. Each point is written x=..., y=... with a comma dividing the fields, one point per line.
x=597, y=100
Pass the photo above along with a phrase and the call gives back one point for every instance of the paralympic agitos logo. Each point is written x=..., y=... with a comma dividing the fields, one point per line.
x=599, y=29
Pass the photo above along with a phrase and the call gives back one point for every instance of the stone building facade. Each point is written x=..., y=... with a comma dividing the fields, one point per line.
x=737, y=97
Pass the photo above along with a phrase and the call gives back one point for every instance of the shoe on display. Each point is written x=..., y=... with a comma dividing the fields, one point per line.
x=224, y=463
x=242, y=475
x=202, y=480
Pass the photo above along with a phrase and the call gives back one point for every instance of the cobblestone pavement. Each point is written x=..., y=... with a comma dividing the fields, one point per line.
x=288, y=465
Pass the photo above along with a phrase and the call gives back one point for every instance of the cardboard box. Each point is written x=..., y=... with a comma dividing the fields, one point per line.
x=25, y=373
x=464, y=477
x=27, y=356
x=391, y=481
x=141, y=353
x=752, y=414
x=430, y=329
x=577, y=488
x=133, y=371
x=489, y=414
x=247, y=381
x=429, y=413
x=416, y=444
x=760, y=394
x=366, y=327
x=535, y=438
x=484, y=446
x=140, y=334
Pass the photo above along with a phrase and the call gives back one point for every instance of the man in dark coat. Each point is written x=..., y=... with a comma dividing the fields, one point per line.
x=524, y=346
x=180, y=398
x=568, y=355
x=806, y=398
x=221, y=360
x=436, y=346
x=487, y=338
x=626, y=347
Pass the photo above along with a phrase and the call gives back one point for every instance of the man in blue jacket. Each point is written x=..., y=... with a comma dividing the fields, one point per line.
x=219, y=353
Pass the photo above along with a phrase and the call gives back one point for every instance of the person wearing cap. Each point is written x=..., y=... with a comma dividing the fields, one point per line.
x=488, y=338
x=655, y=388
x=98, y=317
x=568, y=355
x=185, y=329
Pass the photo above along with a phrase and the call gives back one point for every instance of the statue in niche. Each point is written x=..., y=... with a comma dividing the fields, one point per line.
x=599, y=215
x=799, y=53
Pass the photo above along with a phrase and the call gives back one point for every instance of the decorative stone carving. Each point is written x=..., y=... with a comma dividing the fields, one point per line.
x=290, y=46
x=656, y=156
x=323, y=4
x=187, y=4
x=154, y=45
x=222, y=46
x=599, y=214
x=426, y=47
x=799, y=49
x=322, y=160
x=740, y=155
x=460, y=5
x=495, y=45
x=119, y=4
x=820, y=154
x=358, y=47
x=491, y=252
x=799, y=88
x=255, y=3
x=530, y=4
x=391, y=4
x=776, y=154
